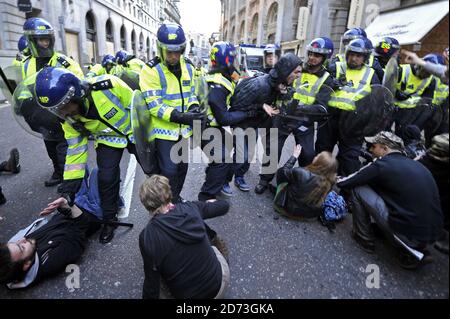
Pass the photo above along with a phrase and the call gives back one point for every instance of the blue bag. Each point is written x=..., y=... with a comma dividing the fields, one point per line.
x=334, y=209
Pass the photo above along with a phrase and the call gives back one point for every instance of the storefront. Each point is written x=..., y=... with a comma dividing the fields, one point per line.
x=422, y=28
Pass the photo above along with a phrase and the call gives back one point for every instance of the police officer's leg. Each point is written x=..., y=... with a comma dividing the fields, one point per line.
x=269, y=159
x=182, y=167
x=306, y=140
x=327, y=136
x=58, y=170
x=108, y=162
x=348, y=156
x=218, y=168
x=167, y=167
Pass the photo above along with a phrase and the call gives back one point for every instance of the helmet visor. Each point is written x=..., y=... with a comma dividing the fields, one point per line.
x=59, y=109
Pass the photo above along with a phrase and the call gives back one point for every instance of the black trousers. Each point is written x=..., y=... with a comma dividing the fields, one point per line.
x=57, y=150
x=108, y=162
x=304, y=138
x=217, y=170
x=175, y=171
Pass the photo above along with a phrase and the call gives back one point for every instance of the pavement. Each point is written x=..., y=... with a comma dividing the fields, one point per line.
x=270, y=256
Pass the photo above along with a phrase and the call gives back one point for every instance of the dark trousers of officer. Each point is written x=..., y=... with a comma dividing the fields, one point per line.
x=241, y=156
x=108, y=162
x=349, y=147
x=305, y=139
x=175, y=172
x=366, y=205
x=57, y=150
x=217, y=171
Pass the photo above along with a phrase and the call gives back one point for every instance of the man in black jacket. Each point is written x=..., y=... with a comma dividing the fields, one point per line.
x=397, y=192
x=46, y=246
x=260, y=94
x=175, y=245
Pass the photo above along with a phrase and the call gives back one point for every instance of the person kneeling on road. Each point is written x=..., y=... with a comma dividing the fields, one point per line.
x=400, y=195
x=175, y=245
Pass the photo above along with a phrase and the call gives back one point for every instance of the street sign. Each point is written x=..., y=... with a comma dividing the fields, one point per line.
x=24, y=5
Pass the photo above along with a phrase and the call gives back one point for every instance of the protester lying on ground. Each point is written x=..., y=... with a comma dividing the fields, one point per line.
x=439, y=70
x=436, y=160
x=302, y=191
x=175, y=246
x=400, y=195
x=49, y=244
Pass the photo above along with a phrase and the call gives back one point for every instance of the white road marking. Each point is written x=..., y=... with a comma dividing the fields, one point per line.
x=127, y=188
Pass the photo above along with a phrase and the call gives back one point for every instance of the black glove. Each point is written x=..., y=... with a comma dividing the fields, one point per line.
x=399, y=95
x=186, y=118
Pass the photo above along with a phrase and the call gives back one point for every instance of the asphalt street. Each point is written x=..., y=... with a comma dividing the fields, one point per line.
x=270, y=256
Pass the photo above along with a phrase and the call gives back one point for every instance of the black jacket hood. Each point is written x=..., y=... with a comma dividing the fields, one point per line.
x=285, y=66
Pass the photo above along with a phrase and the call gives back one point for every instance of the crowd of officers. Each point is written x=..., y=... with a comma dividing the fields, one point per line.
x=96, y=106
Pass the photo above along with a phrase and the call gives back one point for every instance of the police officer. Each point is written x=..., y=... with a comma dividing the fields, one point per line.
x=99, y=106
x=415, y=86
x=385, y=49
x=352, y=34
x=311, y=88
x=168, y=87
x=355, y=78
x=41, y=41
x=272, y=53
x=129, y=61
x=440, y=104
x=222, y=80
x=106, y=67
x=24, y=52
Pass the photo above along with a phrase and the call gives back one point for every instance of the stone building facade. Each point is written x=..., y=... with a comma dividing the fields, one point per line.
x=294, y=23
x=88, y=29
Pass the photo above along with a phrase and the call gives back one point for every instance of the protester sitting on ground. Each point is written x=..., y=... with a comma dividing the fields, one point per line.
x=175, y=246
x=436, y=160
x=302, y=191
x=400, y=195
x=441, y=71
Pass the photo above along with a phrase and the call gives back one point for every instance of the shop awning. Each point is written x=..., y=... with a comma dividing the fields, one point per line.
x=409, y=25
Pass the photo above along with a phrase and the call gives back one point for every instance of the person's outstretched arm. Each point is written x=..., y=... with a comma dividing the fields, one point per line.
x=213, y=208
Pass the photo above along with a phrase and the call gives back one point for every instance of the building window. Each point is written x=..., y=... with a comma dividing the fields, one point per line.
x=133, y=42
x=123, y=41
x=109, y=37
x=91, y=37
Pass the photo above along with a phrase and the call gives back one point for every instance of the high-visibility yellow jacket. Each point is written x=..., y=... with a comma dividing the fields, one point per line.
x=358, y=87
x=440, y=92
x=113, y=106
x=58, y=60
x=163, y=93
x=218, y=78
x=308, y=86
x=411, y=85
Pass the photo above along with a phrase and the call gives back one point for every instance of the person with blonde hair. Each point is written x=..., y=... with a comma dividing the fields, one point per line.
x=175, y=245
x=302, y=191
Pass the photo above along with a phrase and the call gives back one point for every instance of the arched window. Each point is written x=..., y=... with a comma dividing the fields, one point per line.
x=91, y=37
x=141, y=42
x=133, y=42
x=241, y=34
x=109, y=37
x=123, y=42
x=272, y=17
x=148, y=50
x=254, y=29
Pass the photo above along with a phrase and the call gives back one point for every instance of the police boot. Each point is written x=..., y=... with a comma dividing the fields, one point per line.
x=107, y=232
x=12, y=164
x=2, y=197
x=55, y=179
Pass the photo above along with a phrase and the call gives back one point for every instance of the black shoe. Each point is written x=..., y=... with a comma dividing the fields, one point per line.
x=54, y=180
x=12, y=164
x=367, y=246
x=2, y=198
x=260, y=188
x=107, y=233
